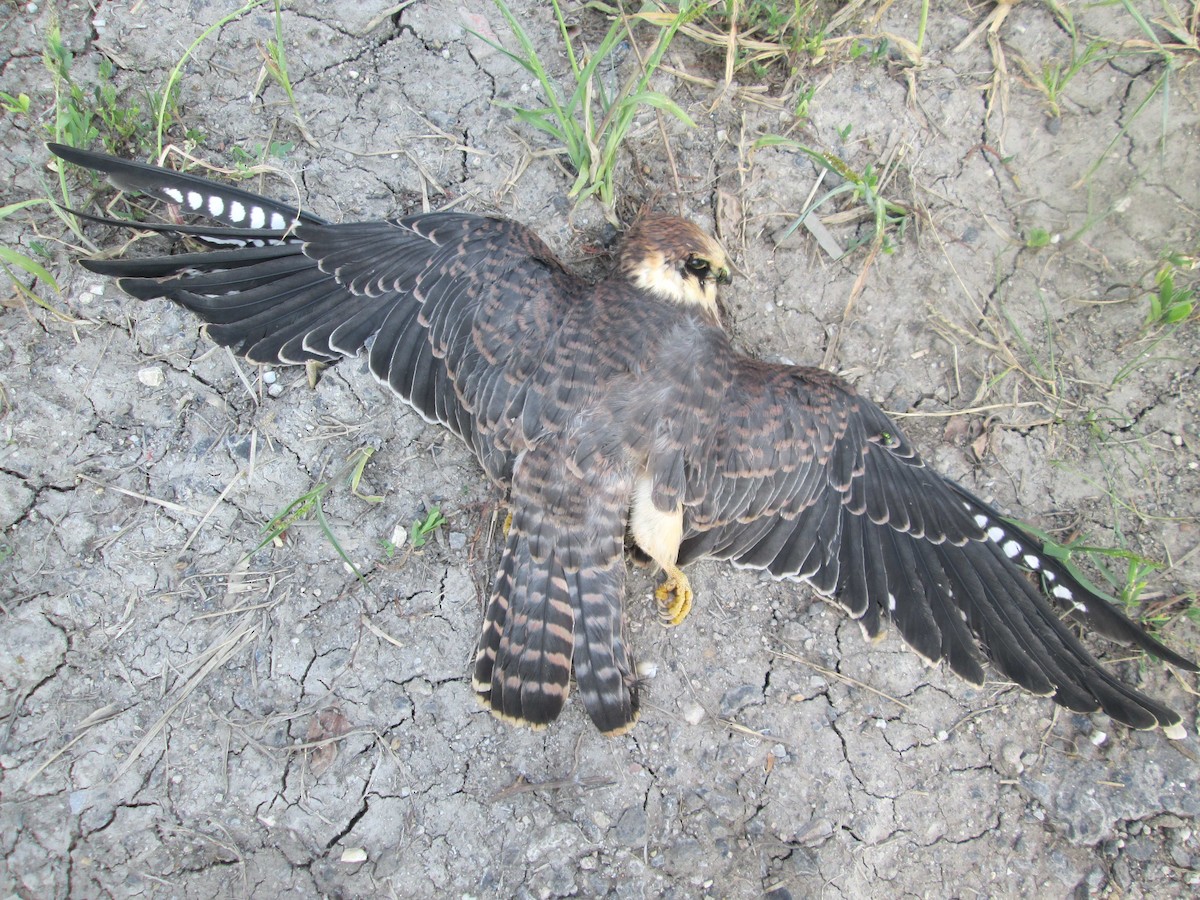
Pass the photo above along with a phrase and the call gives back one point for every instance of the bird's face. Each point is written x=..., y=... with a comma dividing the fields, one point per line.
x=674, y=260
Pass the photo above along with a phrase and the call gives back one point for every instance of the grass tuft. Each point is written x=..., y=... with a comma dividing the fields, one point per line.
x=887, y=217
x=590, y=121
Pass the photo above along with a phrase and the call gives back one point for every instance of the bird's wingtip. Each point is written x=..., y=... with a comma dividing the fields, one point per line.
x=1175, y=732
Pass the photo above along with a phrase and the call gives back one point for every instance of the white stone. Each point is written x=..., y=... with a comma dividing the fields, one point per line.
x=152, y=376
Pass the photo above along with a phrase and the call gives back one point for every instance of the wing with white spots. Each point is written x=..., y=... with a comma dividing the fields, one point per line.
x=250, y=219
x=458, y=314
x=801, y=476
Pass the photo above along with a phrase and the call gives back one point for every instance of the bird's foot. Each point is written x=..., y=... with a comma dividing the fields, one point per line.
x=674, y=598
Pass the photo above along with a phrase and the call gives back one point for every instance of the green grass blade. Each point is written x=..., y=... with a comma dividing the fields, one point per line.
x=27, y=264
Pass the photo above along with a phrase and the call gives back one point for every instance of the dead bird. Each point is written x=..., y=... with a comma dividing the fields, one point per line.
x=620, y=407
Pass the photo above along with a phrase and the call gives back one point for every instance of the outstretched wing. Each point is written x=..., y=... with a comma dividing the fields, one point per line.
x=804, y=478
x=457, y=312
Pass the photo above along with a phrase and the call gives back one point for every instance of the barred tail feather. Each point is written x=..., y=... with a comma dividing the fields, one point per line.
x=523, y=664
x=603, y=668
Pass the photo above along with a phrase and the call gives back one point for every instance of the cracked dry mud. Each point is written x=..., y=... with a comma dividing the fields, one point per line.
x=180, y=722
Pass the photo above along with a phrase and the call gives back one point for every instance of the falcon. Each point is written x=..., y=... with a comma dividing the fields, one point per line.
x=620, y=408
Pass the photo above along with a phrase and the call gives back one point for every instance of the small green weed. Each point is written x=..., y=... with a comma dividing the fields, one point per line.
x=128, y=127
x=310, y=503
x=83, y=116
x=803, y=102
x=588, y=121
x=276, y=59
x=874, y=51
x=1169, y=304
x=777, y=18
x=18, y=105
x=74, y=120
x=887, y=216
x=275, y=66
x=1037, y=238
x=771, y=32
x=1055, y=76
x=248, y=162
x=422, y=529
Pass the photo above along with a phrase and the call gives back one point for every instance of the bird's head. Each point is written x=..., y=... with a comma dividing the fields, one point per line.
x=673, y=259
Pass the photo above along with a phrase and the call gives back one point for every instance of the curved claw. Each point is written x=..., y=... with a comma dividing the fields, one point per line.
x=674, y=598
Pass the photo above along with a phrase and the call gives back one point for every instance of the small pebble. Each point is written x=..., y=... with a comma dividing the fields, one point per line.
x=354, y=855
x=399, y=536
x=647, y=670
x=152, y=376
x=693, y=714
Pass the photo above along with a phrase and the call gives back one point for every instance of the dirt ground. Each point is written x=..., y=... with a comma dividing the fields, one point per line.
x=182, y=716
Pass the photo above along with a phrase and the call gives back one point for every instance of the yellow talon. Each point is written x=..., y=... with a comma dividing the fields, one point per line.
x=674, y=598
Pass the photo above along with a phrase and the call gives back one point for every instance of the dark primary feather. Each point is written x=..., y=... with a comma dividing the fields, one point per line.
x=571, y=392
x=228, y=205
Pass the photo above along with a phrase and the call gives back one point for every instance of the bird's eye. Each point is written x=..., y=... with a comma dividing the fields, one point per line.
x=698, y=267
